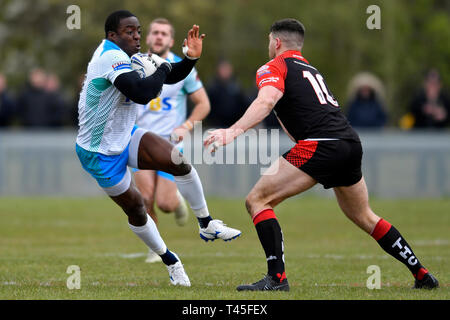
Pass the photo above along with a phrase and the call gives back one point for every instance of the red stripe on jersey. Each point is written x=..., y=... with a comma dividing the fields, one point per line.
x=263, y=215
x=380, y=229
x=301, y=153
x=274, y=72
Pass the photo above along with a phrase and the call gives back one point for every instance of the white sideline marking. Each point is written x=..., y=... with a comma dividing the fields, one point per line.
x=125, y=255
x=435, y=242
x=329, y=256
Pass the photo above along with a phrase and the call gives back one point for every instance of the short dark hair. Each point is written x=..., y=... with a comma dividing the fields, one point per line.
x=163, y=21
x=290, y=30
x=113, y=20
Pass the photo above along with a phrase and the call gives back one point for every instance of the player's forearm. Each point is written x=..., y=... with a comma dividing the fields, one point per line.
x=141, y=90
x=256, y=113
x=180, y=70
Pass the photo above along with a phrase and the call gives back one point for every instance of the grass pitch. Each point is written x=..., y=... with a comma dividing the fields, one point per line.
x=326, y=255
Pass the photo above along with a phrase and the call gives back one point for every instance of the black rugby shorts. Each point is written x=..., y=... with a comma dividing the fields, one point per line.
x=333, y=163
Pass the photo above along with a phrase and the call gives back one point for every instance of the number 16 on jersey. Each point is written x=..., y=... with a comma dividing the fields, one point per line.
x=320, y=88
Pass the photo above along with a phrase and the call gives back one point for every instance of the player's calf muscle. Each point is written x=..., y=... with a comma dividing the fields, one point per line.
x=134, y=208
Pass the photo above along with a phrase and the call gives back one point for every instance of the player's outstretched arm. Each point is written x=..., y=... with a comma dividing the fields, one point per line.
x=192, y=49
x=260, y=108
x=142, y=90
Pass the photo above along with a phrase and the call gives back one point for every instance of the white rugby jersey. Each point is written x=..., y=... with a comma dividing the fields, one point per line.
x=105, y=116
x=168, y=111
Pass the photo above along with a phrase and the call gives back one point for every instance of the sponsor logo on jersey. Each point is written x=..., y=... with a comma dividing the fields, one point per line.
x=261, y=74
x=262, y=71
x=121, y=65
x=269, y=79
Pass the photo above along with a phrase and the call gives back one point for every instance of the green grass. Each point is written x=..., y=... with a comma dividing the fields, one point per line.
x=326, y=255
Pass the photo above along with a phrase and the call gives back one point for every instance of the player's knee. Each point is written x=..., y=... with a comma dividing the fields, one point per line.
x=250, y=202
x=166, y=207
x=248, y=206
x=255, y=201
x=167, y=204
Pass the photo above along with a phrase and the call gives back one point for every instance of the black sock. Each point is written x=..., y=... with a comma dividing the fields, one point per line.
x=271, y=238
x=393, y=243
x=203, y=222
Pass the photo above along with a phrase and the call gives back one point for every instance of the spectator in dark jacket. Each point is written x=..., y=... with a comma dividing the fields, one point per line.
x=431, y=106
x=366, y=107
x=32, y=105
x=57, y=108
x=41, y=104
x=6, y=104
x=228, y=101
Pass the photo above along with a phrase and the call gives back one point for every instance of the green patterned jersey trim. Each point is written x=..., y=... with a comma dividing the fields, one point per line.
x=96, y=113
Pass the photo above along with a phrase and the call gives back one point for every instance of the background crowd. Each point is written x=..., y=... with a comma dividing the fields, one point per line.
x=393, y=77
x=42, y=103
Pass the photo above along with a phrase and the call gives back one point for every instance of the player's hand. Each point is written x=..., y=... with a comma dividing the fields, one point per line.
x=178, y=134
x=221, y=137
x=192, y=45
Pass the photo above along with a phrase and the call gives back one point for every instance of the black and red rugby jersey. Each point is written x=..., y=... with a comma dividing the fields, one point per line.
x=307, y=109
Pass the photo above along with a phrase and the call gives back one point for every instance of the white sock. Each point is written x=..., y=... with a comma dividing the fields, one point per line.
x=150, y=235
x=191, y=189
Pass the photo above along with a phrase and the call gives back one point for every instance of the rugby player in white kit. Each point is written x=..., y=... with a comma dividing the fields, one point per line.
x=108, y=140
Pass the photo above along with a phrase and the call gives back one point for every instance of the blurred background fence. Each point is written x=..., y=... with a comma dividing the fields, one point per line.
x=395, y=164
x=391, y=82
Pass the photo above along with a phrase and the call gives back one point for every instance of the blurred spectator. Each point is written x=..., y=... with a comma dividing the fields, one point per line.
x=73, y=113
x=40, y=104
x=228, y=101
x=366, y=106
x=32, y=102
x=57, y=108
x=431, y=106
x=6, y=104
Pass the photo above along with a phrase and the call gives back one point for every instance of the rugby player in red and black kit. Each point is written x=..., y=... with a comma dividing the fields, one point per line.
x=327, y=151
